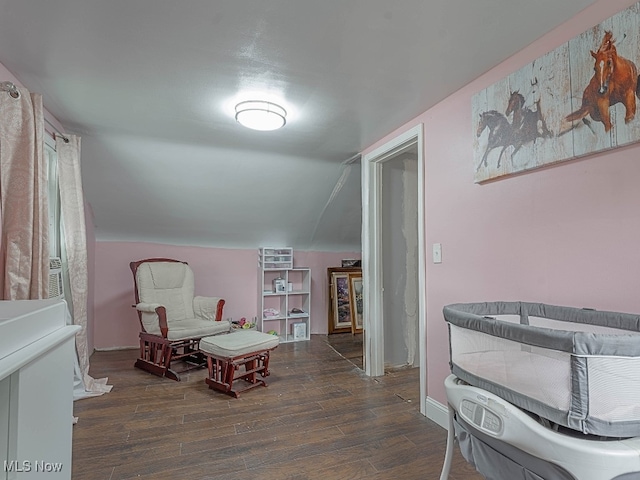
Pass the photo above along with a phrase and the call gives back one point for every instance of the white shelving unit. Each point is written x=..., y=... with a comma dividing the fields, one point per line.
x=285, y=295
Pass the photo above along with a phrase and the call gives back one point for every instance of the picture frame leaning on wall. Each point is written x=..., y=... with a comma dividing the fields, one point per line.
x=356, y=302
x=339, y=307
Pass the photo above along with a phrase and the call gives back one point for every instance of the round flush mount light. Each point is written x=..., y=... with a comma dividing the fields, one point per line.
x=261, y=115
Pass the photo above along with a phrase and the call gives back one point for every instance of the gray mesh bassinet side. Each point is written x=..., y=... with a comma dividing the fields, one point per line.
x=578, y=368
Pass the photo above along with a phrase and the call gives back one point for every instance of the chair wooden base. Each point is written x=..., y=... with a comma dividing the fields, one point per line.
x=223, y=371
x=158, y=353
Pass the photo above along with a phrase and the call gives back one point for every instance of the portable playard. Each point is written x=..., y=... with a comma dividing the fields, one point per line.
x=544, y=392
x=576, y=367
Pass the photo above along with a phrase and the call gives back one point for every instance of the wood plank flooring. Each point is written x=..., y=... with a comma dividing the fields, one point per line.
x=350, y=347
x=319, y=418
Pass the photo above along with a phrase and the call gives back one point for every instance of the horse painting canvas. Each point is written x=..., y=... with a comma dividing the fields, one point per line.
x=578, y=99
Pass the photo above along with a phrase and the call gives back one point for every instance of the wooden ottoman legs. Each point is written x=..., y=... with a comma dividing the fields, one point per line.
x=222, y=371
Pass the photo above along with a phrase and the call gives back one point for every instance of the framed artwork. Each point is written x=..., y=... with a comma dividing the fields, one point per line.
x=356, y=302
x=341, y=301
x=299, y=331
x=576, y=100
x=351, y=262
x=339, y=298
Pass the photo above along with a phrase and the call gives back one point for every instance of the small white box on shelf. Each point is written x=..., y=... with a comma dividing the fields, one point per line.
x=279, y=285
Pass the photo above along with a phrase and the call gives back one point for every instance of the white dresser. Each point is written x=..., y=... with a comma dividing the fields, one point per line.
x=37, y=351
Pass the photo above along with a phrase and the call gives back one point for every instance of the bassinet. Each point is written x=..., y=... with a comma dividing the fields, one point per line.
x=578, y=368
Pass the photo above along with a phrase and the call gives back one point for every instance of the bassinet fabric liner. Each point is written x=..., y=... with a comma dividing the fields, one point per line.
x=579, y=368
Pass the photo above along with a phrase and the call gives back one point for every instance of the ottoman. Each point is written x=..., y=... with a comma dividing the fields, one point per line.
x=238, y=355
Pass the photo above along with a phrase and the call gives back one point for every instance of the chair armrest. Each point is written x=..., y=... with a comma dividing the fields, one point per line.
x=153, y=317
x=208, y=308
x=147, y=307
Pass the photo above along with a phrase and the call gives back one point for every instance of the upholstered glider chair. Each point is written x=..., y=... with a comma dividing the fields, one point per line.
x=172, y=318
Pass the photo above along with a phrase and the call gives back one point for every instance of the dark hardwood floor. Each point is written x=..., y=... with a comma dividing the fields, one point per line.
x=348, y=346
x=319, y=418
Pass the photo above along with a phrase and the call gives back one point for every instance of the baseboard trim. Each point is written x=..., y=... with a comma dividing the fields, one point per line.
x=112, y=349
x=437, y=412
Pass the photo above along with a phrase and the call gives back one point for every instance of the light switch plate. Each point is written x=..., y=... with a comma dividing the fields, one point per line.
x=437, y=253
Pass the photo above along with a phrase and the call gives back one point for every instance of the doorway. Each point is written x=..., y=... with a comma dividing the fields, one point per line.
x=378, y=251
x=399, y=245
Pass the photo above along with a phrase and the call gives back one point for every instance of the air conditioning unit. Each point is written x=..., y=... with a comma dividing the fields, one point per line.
x=56, y=289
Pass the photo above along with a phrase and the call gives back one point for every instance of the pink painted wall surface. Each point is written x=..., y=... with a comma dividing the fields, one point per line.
x=565, y=235
x=228, y=273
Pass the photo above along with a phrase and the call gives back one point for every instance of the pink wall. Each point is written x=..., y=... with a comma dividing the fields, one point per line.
x=228, y=273
x=566, y=235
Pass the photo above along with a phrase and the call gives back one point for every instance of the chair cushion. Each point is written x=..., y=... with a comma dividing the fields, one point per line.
x=170, y=284
x=238, y=343
x=194, y=328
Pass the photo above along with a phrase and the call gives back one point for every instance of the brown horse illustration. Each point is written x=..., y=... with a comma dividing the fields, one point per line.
x=615, y=80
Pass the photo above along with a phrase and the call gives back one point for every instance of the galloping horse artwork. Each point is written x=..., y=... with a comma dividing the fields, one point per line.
x=529, y=124
x=615, y=80
x=526, y=126
x=578, y=99
x=500, y=134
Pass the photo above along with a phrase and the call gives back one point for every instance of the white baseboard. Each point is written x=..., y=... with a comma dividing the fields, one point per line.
x=437, y=412
x=111, y=349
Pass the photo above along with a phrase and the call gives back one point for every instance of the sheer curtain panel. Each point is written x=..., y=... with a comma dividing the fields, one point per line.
x=74, y=251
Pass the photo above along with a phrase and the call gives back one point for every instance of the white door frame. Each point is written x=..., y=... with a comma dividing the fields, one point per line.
x=372, y=256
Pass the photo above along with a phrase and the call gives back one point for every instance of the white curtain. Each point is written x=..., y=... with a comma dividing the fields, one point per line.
x=74, y=251
x=24, y=239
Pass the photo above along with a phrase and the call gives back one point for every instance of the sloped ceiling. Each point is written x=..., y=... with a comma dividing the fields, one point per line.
x=150, y=86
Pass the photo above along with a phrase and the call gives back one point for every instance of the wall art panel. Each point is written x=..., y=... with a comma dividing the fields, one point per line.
x=576, y=100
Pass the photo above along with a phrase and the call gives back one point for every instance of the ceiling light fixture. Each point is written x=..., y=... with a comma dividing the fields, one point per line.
x=261, y=115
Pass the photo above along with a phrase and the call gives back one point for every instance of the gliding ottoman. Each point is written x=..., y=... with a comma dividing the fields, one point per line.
x=239, y=355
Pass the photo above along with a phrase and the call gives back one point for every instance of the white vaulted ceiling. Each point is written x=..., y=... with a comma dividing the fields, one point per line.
x=150, y=84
